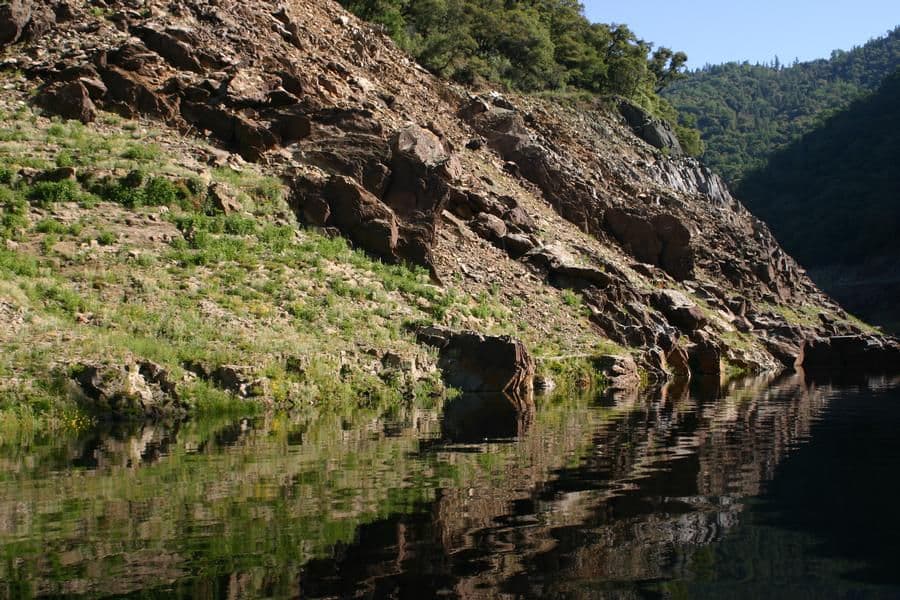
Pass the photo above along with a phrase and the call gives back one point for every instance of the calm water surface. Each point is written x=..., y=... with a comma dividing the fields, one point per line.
x=767, y=489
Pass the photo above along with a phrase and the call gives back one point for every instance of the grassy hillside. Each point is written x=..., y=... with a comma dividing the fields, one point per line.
x=113, y=247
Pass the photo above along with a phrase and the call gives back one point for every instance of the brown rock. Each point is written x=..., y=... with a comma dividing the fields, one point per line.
x=861, y=353
x=680, y=310
x=133, y=391
x=519, y=221
x=249, y=87
x=517, y=244
x=223, y=198
x=14, y=17
x=636, y=235
x=489, y=227
x=705, y=359
x=621, y=372
x=362, y=216
x=177, y=53
x=476, y=363
x=676, y=258
x=252, y=140
x=292, y=126
x=678, y=362
x=59, y=174
x=133, y=96
x=69, y=100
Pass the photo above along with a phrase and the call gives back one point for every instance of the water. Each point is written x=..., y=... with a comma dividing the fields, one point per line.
x=769, y=489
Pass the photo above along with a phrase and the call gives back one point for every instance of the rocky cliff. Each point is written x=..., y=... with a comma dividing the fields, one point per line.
x=523, y=196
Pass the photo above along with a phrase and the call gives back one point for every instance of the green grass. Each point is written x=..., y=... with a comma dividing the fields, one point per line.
x=246, y=289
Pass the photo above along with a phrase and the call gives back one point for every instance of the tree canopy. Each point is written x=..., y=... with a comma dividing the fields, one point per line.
x=833, y=196
x=530, y=46
x=746, y=112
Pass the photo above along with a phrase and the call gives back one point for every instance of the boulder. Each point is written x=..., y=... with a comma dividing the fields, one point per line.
x=705, y=359
x=14, y=17
x=248, y=87
x=519, y=221
x=68, y=100
x=362, y=217
x=621, y=372
x=223, y=198
x=137, y=390
x=655, y=132
x=676, y=257
x=680, y=310
x=489, y=227
x=678, y=362
x=56, y=175
x=421, y=170
x=862, y=353
x=239, y=380
x=132, y=96
x=177, y=53
x=517, y=244
x=662, y=241
x=563, y=272
x=252, y=139
x=476, y=363
x=291, y=126
x=788, y=352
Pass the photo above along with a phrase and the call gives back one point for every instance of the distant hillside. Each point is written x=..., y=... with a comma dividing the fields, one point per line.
x=745, y=112
x=833, y=200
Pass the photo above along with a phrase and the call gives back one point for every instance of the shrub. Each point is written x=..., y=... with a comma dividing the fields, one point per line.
x=160, y=192
x=143, y=152
x=48, y=192
x=106, y=238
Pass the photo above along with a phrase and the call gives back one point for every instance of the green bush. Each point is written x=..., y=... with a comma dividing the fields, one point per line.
x=48, y=192
x=106, y=238
x=161, y=192
x=143, y=153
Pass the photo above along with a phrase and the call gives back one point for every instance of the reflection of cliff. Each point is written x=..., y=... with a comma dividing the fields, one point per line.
x=325, y=507
x=659, y=475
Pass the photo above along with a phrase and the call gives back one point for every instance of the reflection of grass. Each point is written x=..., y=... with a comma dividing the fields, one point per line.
x=284, y=491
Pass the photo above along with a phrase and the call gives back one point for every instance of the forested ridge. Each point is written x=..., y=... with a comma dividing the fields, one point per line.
x=831, y=196
x=746, y=112
x=533, y=46
x=833, y=200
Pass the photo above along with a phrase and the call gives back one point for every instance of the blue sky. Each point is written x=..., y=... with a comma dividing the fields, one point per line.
x=713, y=31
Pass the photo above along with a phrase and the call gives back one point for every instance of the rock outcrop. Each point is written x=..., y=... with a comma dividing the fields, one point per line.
x=851, y=353
x=480, y=364
x=134, y=390
x=655, y=132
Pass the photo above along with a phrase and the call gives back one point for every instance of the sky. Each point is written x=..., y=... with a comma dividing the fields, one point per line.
x=716, y=31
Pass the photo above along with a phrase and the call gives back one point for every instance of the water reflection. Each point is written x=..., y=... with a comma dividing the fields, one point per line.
x=589, y=497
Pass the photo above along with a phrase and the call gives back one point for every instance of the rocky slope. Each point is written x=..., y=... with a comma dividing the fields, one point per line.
x=524, y=199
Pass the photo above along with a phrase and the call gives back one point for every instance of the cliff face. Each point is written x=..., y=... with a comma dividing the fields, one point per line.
x=520, y=195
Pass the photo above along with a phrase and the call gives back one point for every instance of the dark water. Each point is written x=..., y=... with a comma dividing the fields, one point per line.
x=769, y=489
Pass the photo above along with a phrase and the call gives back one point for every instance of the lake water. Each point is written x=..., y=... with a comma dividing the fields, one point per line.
x=771, y=488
